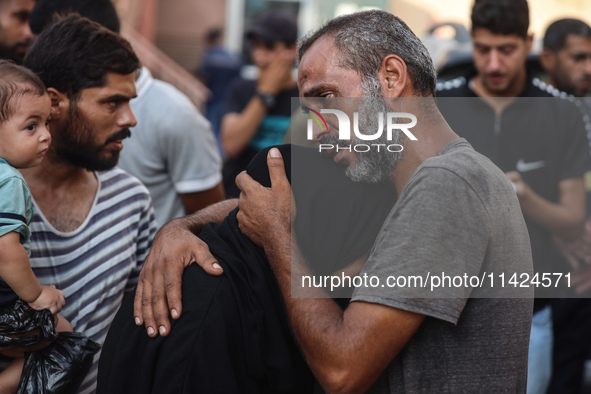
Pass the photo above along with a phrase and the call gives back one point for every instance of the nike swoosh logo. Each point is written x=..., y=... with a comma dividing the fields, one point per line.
x=522, y=166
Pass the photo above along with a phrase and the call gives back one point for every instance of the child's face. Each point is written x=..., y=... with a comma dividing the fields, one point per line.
x=24, y=137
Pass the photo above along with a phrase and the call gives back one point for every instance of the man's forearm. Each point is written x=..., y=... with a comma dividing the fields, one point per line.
x=239, y=129
x=214, y=213
x=564, y=218
x=346, y=351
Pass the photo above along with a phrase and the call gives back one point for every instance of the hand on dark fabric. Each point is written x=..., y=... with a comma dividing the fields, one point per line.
x=266, y=214
x=159, y=287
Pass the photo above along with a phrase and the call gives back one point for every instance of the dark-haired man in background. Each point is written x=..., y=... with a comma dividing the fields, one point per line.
x=566, y=57
x=258, y=111
x=172, y=150
x=93, y=224
x=15, y=33
x=544, y=157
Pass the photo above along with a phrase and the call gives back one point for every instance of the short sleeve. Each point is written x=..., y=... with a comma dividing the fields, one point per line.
x=193, y=160
x=15, y=207
x=238, y=95
x=439, y=226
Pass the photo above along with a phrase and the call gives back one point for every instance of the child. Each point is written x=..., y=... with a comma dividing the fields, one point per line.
x=24, y=141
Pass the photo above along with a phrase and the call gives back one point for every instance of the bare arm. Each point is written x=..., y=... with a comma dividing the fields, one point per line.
x=565, y=218
x=175, y=247
x=193, y=202
x=16, y=271
x=348, y=350
x=239, y=128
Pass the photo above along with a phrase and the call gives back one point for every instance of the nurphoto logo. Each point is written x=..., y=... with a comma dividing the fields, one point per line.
x=392, y=120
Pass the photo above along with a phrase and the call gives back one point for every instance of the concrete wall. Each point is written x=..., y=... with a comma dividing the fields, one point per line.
x=181, y=25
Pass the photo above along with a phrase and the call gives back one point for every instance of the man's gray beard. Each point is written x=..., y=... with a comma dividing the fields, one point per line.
x=374, y=166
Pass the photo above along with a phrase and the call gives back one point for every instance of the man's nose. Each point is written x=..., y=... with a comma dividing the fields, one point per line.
x=588, y=66
x=127, y=118
x=494, y=61
x=27, y=33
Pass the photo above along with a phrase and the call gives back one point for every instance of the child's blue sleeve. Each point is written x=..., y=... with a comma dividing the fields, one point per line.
x=15, y=207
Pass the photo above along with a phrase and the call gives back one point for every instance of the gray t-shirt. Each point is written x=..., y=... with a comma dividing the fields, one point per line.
x=457, y=214
x=172, y=149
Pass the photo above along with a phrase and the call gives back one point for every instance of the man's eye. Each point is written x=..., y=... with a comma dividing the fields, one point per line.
x=23, y=17
x=579, y=58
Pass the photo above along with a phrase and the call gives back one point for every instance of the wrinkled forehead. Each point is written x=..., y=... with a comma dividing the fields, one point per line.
x=319, y=63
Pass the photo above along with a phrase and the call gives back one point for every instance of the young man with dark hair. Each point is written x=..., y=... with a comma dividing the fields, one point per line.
x=566, y=57
x=258, y=111
x=93, y=224
x=542, y=149
x=183, y=172
x=395, y=339
x=15, y=33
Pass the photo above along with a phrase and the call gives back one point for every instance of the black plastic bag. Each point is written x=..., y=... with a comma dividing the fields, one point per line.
x=20, y=318
x=60, y=367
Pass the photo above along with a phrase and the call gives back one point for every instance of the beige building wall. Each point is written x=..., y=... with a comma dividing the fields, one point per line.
x=181, y=25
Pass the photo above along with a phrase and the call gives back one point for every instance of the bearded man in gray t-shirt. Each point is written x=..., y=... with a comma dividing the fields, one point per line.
x=457, y=215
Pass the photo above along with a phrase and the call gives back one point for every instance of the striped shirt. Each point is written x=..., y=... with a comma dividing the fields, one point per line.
x=98, y=262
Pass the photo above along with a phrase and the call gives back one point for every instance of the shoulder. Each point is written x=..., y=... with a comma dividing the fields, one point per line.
x=542, y=89
x=456, y=87
x=116, y=182
x=462, y=172
x=11, y=179
x=164, y=94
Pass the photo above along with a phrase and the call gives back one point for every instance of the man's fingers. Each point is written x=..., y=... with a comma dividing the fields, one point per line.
x=276, y=167
x=173, y=285
x=137, y=303
x=206, y=261
x=147, y=310
x=244, y=181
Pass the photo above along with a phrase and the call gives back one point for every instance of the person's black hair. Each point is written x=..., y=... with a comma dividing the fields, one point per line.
x=213, y=35
x=505, y=17
x=365, y=38
x=15, y=82
x=558, y=31
x=75, y=54
x=100, y=11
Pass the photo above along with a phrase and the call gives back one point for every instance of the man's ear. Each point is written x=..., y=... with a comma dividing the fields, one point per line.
x=393, y=75
x=59, y=103
x=548, y=60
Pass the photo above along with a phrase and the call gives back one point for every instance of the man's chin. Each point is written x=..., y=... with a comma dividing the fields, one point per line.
x=14, y=56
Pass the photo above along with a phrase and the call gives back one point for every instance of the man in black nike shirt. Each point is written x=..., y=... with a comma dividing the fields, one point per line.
x=540, y=144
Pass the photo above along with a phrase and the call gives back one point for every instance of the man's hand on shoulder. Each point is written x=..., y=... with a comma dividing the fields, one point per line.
x=158, y=292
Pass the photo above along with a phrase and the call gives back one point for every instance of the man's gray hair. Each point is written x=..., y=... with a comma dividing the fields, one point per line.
x=365, y=38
